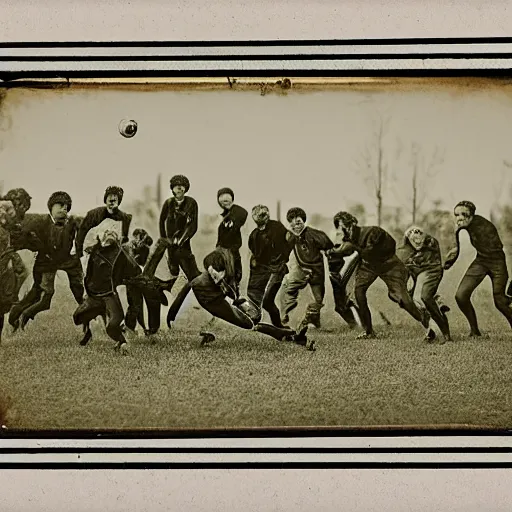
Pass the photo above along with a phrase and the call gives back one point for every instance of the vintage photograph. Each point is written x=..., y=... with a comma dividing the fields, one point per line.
x=256, y=253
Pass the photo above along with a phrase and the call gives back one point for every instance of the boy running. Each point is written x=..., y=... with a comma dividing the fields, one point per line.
x=490, y=261
x=308, y=244
x=376, y=248
x=270, y=252
x=421, y=255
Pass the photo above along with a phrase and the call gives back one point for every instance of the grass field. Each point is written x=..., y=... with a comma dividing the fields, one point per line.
x=247, y=380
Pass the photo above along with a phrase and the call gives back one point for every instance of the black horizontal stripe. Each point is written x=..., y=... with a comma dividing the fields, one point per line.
x=255, y=57
x=24, y=77
x=283, y=450
x=285, y=432
x=252, y=465
x=260, y=42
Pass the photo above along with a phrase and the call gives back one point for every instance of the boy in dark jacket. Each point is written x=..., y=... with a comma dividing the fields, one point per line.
x=55, y=236
x=138, y=248
x=376, y=248
x=229, y=231
x=112, y=198
x=490, y=261
x=421, y=255
x=270, y=251
x=109, y=266
x=21, y=201
x=215, y=284
x=308, y=245
x=178, y=224
x=341, y=271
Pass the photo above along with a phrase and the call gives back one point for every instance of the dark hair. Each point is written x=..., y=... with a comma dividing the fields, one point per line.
x=467, y=204
x=114, y=191
x=178, y=180
x=226, y=190
x=144, y=235
x=59, y=197
x=19, y=194
x=296, y=212
x=216, y=260
x=345, y=218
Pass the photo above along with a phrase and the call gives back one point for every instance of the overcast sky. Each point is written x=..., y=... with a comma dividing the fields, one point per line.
x=301, y=148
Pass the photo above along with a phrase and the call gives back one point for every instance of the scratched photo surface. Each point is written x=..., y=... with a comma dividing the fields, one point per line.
x=256, y=255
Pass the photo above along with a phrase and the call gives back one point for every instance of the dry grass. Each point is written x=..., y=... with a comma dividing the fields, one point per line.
x=245, y=379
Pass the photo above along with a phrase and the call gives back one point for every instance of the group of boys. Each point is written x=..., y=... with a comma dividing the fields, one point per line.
x=360, y=254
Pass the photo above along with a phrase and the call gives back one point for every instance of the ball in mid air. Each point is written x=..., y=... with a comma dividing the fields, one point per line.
x=128, y=128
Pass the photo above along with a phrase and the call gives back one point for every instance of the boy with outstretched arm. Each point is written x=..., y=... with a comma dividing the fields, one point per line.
x=490, y=261
x=376, y=248
x=215, y=284
x=55, y=234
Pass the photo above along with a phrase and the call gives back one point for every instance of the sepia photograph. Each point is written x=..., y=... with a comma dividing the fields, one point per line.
x=232, y=253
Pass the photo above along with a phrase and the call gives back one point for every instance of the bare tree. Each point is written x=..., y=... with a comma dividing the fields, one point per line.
x=372, y=164
x=423, y=166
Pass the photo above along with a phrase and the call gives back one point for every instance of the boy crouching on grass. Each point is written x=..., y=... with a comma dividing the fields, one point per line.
x=109, y=266
x=308, y=244
x=218, y=282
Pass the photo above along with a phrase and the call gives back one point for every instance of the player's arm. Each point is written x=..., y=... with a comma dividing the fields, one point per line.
x=236, y=217
x=192, y=222
x=453, y=253
x=164, y=213
x=85, y=226
x=126, y=223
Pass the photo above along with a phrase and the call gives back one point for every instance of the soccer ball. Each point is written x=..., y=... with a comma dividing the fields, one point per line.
x=128, y=128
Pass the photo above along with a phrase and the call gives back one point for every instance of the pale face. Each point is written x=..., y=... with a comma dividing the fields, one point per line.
x=261, y=218
x=59, y=211
x=463, y=216
x=112, y=203
x=226, y=201
x=178, y=192
x=297, y=225
x=416, y=237
x=108, y=238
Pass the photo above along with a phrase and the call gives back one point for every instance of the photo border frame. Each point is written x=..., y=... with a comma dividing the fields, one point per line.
x=255, y=63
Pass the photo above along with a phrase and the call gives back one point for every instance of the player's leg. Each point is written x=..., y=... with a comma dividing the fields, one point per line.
x=269, y=298
x=76, y=280
x=395, y=277
x=31, y=297
x=364, y=278
x=44, y=303
x=474, y=275
x=187, y=262
x=499, y=278
x=238, y=266
x=115, y=317
x=296, y=281
x=258, y=280
x=342, y=303
x=20, y=270
x=87, y=311
x=135, y=310
x=430, y=285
